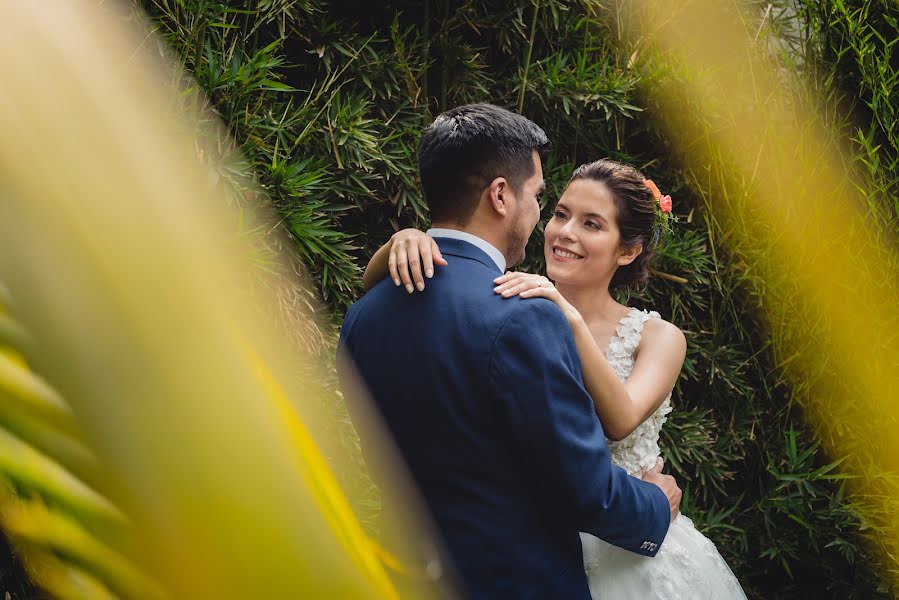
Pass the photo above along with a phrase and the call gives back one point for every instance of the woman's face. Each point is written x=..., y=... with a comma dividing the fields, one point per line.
x=582, y=238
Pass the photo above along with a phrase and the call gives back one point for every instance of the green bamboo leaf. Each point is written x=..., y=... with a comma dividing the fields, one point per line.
x=12, y=334
x=35, y=524
x=35, y=471
x=33, y=393
x=63, y=580
x=69, y=451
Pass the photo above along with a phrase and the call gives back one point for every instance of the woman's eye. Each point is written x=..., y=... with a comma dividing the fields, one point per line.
x=559, y=214
x=592, y=225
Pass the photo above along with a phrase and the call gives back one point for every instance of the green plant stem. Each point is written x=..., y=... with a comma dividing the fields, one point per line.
x=527, y=57
x=442, y=106
x=425, y=57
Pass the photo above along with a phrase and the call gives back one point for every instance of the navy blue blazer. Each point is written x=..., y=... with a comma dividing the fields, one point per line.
x=485, y=400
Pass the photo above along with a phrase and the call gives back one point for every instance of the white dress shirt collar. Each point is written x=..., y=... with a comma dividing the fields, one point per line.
x=487, y=247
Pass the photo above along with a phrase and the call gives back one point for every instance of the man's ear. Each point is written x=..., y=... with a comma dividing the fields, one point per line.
x=628, y=254
x=498, y=195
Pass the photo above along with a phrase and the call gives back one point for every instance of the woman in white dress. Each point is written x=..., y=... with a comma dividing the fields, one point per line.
x=602, y=236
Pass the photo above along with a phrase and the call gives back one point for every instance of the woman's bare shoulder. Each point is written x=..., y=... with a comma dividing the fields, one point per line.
x=662, y=335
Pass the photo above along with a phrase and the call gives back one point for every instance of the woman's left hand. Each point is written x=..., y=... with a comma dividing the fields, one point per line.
x=529, y=285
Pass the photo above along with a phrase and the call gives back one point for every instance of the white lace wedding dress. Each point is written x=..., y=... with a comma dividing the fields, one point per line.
x=687, y=565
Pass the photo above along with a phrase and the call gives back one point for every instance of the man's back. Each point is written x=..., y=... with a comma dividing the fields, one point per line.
x=461, y=377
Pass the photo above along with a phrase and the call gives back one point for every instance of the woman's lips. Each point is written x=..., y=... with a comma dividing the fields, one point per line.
x=564, y=255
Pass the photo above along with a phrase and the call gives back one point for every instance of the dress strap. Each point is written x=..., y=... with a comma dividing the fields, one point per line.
x=630, y=330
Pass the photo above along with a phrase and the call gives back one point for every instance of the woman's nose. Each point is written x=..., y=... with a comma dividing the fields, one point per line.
x=567, y=230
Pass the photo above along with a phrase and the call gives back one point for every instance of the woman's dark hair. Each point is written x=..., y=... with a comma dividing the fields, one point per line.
x=635, y=208
x=466, y=148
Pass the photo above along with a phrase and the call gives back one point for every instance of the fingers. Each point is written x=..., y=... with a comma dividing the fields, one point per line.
x=527, y=285
x=675, y=502
x=517, y=289
x=402, y=265
x=511, y=280
x=438, y=258
x=410, y=234
x=550, y=293
x=413, y=257
x=413, y=254
x=391, y=266
x=425, y=250
x=658, y=466
x=511, y=275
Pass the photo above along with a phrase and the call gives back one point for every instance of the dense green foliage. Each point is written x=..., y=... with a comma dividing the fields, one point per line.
x=326, y=100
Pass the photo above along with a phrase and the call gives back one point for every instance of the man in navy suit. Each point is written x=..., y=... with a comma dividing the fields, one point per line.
x=484, y=396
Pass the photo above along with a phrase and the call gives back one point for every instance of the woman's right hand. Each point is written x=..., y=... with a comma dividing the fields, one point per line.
x=413, y=255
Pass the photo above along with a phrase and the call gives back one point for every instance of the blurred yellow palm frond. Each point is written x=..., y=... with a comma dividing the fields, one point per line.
x=174, y=453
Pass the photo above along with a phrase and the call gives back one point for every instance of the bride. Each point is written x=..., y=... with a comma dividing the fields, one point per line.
x=601, y=237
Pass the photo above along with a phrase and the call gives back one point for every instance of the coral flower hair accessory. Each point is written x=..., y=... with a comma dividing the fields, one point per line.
x=663, y=214
x=665, y=204
x=653, y=188
x=664, y=201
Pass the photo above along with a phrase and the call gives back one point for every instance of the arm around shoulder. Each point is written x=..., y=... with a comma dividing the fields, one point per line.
x=408, y=257
x=377, y=267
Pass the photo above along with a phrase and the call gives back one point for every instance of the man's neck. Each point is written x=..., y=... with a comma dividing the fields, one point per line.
x=494, y=238
x=479, y=237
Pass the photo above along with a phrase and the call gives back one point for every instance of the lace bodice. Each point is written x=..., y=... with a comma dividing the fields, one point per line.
x=637, y=452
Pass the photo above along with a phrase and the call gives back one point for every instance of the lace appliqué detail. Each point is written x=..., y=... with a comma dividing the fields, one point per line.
x=637, y=452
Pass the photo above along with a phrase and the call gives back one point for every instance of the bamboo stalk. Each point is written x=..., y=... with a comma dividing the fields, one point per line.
x=669, y=277
x=527, y=58
x=425, y=57
x=442, y=106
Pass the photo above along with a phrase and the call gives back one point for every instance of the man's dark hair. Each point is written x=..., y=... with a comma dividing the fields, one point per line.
x=466, y=148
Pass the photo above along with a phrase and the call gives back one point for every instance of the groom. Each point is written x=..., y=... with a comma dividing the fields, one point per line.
x=484, y=396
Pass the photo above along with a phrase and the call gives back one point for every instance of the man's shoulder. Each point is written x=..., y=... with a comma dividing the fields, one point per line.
x=373, y=297
x=533, y=334
x=468, y=292
x=535, y=324
x=496, y=312
x=532, y=312
x=378, y=293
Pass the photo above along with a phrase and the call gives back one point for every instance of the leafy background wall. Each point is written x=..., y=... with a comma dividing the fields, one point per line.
x=325, y=101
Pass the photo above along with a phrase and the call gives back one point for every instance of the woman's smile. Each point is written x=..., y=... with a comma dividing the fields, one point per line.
x=564, y=255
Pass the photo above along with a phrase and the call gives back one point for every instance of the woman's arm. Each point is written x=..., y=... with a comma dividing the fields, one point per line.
x=657, y=364
x=621, y=407
x=376, y=269
x=404, y=257
x=617, y=411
